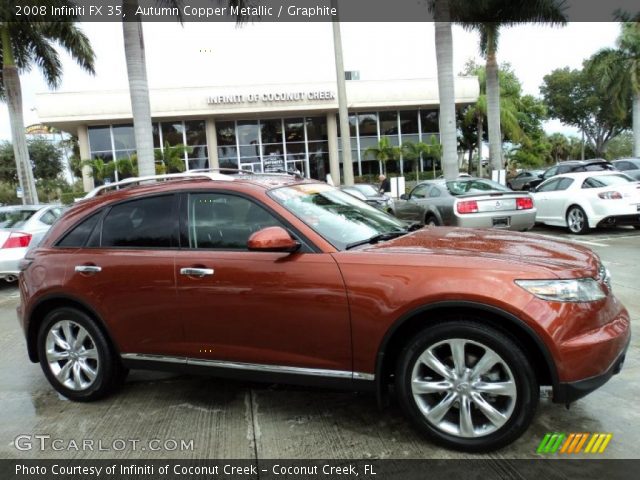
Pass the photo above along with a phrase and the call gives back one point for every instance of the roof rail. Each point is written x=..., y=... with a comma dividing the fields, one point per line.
x=279, y=171
x=211, y=175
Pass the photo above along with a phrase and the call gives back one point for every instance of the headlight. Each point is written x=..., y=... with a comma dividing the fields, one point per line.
x=579, y=290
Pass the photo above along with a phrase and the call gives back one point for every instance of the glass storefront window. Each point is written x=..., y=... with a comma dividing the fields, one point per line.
x=317, y=128
x=294, y=130
x=172, y=133
x=199, y=151
x=123, y=137
x=250, y=150
x=226, y=133
x=295, y=148
x=271, y=131
x=196, y=134
x=388, y=124
x=100, y=138
x=272, y=149
x=155, y=128
x=368, y=124
x=247, y=131
x=408, y=122
x=429, y=121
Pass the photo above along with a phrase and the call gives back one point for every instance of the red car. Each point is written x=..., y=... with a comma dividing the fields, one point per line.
x=275, y=278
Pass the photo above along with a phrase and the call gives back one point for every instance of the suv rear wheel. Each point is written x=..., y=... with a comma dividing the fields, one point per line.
x=467, y=386
x=75, y=356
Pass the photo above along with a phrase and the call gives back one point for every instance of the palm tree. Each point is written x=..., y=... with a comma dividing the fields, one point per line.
x=138, y=84
x=446, y=93
x=560, y=148
x=172, y=157
x=24, y=44
x=487, y=18
x=384, y=152
x=619, y=71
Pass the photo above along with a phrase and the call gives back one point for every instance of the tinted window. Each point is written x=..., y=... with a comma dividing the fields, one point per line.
x=224, y=221
x=625, y=166
x=420, y=191
x=14, y=218
x=464, y=187
x=549, y=186
x=51, y=216
x=147, y=222
x=550, y=173
x=564, y=183
x=598, y=167
x=77, y=237
x=606, y=181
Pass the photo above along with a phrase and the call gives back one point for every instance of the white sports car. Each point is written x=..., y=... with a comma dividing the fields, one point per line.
x=580, y=201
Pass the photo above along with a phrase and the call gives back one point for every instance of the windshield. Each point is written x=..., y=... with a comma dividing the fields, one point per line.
x=475, y=185
x=338, y=217
x=368, y=190
x=14, y=218
x=606, y=181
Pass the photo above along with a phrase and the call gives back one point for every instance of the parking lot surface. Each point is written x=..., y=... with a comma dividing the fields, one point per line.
x=159, y=415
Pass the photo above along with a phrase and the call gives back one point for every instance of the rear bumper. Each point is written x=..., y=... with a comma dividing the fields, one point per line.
x=571, y=391
x=518, y=220
x=619, y=220
x=9, y=260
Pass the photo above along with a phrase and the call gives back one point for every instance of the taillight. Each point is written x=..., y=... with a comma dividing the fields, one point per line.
x=468, y=206
x=17, y=240
x=610, y=195
x=524, y=203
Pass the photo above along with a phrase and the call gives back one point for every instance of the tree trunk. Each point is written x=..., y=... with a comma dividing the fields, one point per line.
x=480, y=140
x=493, y=109
x=446, y=91
x=13, y=93
x=343, y=113
x=139, y=91
x=636, y=125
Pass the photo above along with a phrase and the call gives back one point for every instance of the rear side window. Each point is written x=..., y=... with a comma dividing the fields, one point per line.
x=77, y=237
x=14, y=218
x=147, y=223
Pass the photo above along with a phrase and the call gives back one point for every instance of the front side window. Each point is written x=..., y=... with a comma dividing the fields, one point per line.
x=144, y=223
x=420, y=191
x=225, y=222
x=336, y=216
x=78, y=236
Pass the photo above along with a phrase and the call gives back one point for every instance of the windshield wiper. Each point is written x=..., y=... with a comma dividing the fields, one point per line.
x=377, y=238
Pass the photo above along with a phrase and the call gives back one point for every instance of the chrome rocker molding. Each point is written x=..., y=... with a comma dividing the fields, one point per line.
x=251, y=367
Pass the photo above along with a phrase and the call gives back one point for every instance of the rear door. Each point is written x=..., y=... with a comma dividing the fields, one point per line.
x=260, y=308
x=125, y=270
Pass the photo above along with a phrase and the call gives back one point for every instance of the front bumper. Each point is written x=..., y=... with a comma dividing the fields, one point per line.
x=571, y=391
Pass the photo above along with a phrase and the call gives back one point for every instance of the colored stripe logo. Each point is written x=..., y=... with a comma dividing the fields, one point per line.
x=573, y=443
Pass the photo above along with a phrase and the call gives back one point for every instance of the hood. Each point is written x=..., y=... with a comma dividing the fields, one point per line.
x=564, y=259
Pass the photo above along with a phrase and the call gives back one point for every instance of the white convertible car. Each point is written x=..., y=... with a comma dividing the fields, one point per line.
x=585, y=200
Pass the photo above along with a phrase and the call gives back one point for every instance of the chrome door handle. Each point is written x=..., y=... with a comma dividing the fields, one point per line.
x=88, y=268
x=196, y=272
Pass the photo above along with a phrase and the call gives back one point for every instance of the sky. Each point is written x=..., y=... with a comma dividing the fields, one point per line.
x=216, y=54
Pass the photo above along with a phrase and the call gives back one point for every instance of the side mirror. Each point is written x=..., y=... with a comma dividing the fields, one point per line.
x=404, y=196
x=272, y=239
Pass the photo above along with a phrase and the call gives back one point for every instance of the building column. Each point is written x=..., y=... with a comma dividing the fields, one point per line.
x=212, y=142
x=85, y=154
x=332, y=138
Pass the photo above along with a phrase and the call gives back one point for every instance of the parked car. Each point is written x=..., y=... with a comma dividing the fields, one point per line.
x=581, y=201
x=630, y=166
x=569, y=166
x=278, y=279
x=20, y=227
x=467, y=202
x=371, y=195
x=524, y=178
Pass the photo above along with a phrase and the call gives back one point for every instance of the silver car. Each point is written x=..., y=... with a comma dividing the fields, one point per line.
x=630, y=166
x=467, y=202
x=20, y=227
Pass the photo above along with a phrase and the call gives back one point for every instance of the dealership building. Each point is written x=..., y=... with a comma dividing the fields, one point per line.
x=291, y=126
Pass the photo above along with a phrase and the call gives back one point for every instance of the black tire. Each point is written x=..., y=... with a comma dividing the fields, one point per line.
x=518, y=412
x=577, y=220
x=95, y=354
x=431, y=219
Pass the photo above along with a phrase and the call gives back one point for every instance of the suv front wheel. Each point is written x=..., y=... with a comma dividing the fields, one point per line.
x=75, y=356
x=467, y=386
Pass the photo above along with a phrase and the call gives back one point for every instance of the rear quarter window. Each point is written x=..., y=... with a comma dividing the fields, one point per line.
x=15, y=218
x=78, y=235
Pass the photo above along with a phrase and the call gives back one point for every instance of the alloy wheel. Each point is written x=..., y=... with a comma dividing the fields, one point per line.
x=72, y=355
x=463, y=388
x=576, y=220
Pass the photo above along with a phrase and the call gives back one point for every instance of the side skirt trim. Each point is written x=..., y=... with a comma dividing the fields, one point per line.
x=254, y=367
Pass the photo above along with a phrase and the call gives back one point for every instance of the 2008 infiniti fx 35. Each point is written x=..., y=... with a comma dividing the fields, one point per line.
x=275, y=278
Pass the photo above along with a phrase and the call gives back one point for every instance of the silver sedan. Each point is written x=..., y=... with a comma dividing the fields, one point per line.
x=20, y=227
x=467, y=202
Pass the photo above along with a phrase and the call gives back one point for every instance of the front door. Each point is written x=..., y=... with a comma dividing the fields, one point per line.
x=260, y=308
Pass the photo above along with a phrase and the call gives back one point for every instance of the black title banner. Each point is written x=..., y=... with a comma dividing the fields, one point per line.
x=488, y=469
x=277, y=10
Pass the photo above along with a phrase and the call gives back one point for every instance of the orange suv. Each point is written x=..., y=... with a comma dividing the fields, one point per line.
x=280, y=279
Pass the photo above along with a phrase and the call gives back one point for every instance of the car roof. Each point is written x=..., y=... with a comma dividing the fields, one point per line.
x=595, y=173
x=34, y=208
